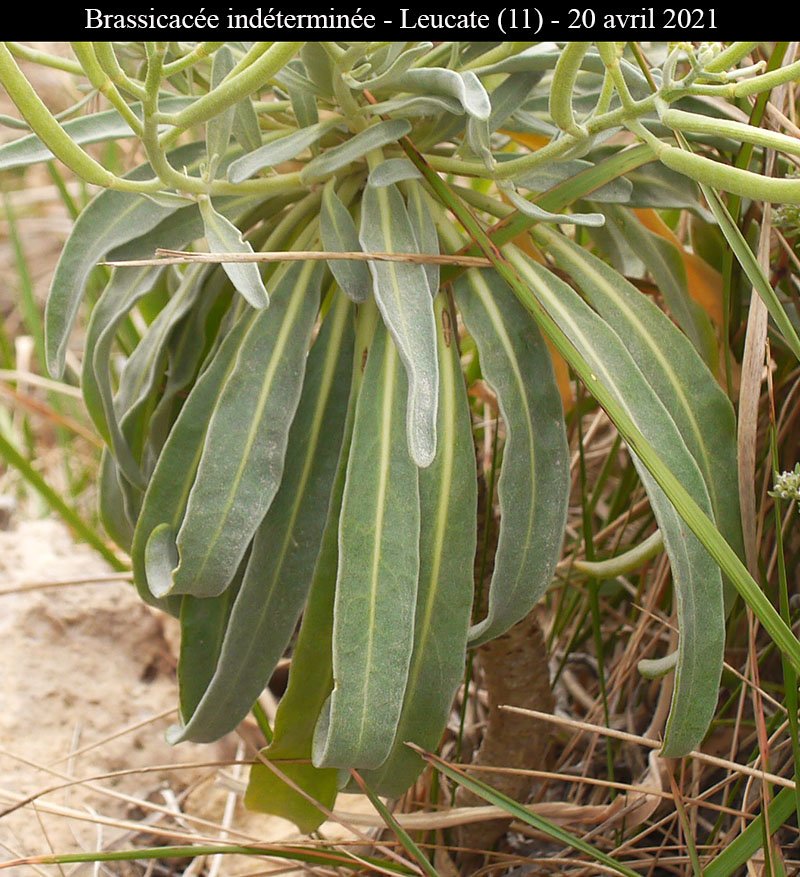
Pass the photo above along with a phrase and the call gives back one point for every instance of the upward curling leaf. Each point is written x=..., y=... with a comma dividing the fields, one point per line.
x=223, y=237
x=404, y=298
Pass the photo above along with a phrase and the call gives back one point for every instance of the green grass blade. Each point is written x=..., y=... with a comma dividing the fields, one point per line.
x=316, y=856
x=402, y=835
x=751, y=840
x=517, y=811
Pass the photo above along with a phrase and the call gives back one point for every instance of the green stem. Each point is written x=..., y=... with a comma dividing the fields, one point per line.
x=198, y=53
x=46, y=127
x=231, y=90
x=767, y=81
x=730, y=57
x=107, y=59
x=85, y=53
x=26, y=53
x=693, y=123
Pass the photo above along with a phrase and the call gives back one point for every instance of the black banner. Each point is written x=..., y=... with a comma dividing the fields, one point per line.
x=696, y=22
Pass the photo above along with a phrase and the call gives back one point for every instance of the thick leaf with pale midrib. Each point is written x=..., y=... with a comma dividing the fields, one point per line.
x=393, y=170
x=172, y=479
x=424, y=229
x=242, y=462
x=111, y=219
x=406, y=305
x=285, y=547
x=448, y=515
x=696, y=577
x=203, y=625
x=224, y=237
x=354, y=148
x=276, y=151
x=376, y=584
x=311, y=673
x=466, y=88
x=339, y=235
x=533, y=487
x=219, y=127
x=690, y=393
x=95, y=128
x=665, y=264
x=126, y=288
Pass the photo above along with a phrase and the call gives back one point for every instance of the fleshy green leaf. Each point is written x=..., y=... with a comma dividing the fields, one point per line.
x=277, y=151
x=533, y=487
x=111, y=503
x=376, y=583
x=665, y=264
x=396, y=67
x=319, y=67
x=203, y=624
x=172, y=479
x=448, y=503
x=246, y=129
x=112, y=219
x=354, y=148
x=339, y=235
x=282, y=558
x=219, y=127
x=393, y=170
x=466, y=88
x=536, y=212
x=223, y=237
x=242, y=461
x=126, y=287
x=424, y=230
x=311, y=673
x=422, y=105
x=95, y=128
x=696, y=577
x=690, y=393
x=406, y=304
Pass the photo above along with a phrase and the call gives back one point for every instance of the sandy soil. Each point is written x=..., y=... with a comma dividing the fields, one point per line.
x=86, y=689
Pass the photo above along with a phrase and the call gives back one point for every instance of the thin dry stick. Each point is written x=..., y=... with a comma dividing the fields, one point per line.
x=16, y=376
x=653, y=744
x=35, y=406
x=341, y=819
x=108, y=578
x=21, y=801
x=116, y=735
x=182, y=257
